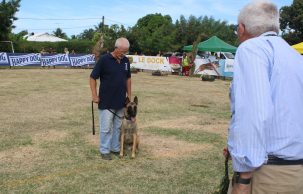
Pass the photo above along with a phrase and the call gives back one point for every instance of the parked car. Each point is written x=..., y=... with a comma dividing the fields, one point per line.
x=226, y=55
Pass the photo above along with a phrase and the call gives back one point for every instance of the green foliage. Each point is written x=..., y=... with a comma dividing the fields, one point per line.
x=202, y=28
x=87, y=34
x=154, y=33
x=59, y=33
x=80, y=46
x=8, y=10
x=291, y=22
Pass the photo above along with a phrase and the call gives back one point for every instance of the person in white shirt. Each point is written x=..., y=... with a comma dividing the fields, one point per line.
x=265, y=138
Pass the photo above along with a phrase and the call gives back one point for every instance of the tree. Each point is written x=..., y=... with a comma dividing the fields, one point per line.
x=154, y=33
x=59, y=33
x=19, y=36
x=8, y=10
x=87, y=34
x=192, y=29
x=291, y=22
x=73, y=37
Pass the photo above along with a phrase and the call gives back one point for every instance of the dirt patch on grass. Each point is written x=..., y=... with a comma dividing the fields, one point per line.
x=51, y=135
x=23, y=155
x=170, y=147
x=93, y=139
x=163, y=147
x=192, y=123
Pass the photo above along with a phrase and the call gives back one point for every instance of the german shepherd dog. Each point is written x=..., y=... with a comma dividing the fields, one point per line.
x=129, y=132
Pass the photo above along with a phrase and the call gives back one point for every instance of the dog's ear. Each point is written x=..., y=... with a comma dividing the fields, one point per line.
x=136, y=100
x=127, y=101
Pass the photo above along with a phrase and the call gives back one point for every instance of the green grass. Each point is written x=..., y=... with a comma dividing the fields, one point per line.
x=47, y=147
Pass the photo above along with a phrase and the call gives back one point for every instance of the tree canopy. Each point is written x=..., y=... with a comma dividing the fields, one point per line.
x=291, y=22
x=8, y=10
x=59, y=33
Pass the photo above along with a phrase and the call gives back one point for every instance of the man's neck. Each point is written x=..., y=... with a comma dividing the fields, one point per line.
x=115, y=56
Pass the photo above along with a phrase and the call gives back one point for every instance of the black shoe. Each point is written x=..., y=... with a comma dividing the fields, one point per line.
x=106, y=156
x=115, y=153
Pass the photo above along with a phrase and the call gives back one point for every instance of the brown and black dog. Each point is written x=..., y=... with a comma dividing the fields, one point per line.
x=129, y=130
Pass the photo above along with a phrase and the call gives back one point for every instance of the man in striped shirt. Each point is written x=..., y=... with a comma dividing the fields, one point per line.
x=265, y=137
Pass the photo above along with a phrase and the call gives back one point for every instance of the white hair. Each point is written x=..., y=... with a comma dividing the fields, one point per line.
x=260, y=16
x=122, y=42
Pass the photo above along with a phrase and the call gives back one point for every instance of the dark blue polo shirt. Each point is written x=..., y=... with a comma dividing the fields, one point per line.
x=113, y=79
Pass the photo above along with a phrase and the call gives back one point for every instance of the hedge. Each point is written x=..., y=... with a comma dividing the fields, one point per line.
x=79, y=46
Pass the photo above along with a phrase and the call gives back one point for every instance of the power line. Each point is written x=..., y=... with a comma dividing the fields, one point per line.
x=79, y=27
x=117, y=22
x=59, y=18
x=70, y=19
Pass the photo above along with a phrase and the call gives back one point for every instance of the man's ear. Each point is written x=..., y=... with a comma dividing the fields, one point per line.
x=136, y=100
x=127, y=101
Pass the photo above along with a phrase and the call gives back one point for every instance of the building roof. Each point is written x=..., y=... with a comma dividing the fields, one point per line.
x=43, y=37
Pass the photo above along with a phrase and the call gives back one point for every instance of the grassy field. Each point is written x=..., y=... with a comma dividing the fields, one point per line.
x=47, y=145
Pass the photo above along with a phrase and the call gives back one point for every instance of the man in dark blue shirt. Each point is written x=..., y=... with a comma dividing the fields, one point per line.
x=113, y=69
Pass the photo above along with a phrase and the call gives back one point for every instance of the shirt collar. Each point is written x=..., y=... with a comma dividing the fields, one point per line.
x=269, y=33
x=112, y=57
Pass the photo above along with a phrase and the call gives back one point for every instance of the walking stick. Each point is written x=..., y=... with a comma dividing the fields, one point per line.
x=93, y=118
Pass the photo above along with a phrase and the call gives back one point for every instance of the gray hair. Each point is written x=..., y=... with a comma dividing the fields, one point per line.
x=260, y=17
x=122, y=42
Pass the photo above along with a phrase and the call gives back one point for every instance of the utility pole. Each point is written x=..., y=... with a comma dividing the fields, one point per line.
x=102, y=24
x=102, y=32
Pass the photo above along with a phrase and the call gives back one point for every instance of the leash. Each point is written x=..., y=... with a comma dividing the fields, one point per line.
x=93, y=118
x=224, y=184
x=115, y=114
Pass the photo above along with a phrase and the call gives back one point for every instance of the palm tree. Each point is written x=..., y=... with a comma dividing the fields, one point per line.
x=59, y=33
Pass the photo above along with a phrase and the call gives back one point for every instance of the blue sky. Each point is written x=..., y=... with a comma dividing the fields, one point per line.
x=89, y=12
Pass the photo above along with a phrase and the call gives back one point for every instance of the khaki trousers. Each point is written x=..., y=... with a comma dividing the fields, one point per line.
x=277, y=179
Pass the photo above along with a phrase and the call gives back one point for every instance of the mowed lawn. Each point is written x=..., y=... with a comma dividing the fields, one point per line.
x=47, y=146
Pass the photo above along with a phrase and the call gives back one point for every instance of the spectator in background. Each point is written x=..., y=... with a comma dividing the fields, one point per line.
x=43, y=51
x=185, y=64
x=66, y=51
x=51, y=51
x=73, y=52
x=159, y=54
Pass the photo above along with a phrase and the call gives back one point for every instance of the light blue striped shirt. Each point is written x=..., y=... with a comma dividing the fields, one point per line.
x=266, y=103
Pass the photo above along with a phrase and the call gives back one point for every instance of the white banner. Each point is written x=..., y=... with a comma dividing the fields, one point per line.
x=229, y=65
x=149, y=63
x=52, y=60
x=82, y=60
x=24, y=60
x=3, y=59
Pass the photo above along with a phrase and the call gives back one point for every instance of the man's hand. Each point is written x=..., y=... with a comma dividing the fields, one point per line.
x=241, y=189
x=226, y=153
x=95, y=99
